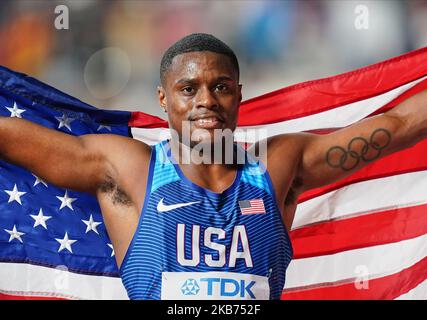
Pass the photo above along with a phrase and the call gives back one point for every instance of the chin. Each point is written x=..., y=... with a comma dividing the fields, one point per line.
x=205, y=139
x=211, y=139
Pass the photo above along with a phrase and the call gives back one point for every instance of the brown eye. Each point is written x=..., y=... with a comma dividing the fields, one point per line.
x=187, y=90
x=221, y=88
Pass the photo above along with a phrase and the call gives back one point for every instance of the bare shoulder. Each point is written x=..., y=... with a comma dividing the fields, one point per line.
x=293, y=142
x=282, y=157
x=128, y=160
x=281, y=151
x=112, y=143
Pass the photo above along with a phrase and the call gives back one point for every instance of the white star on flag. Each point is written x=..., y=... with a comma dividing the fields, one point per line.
x=66, y=201
x=15, y=112
x=91, y=225
x=14, y=195
x=65, y=243
x=14, y=234
x=40, y=219
x=38, y=180
x=103, y=126
x=111, y=246
x=64, y=121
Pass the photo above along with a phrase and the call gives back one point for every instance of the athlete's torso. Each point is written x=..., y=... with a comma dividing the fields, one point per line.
x=191, y=243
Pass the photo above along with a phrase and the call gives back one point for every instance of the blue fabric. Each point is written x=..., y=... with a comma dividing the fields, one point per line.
x=153, y=249
x=90, y=253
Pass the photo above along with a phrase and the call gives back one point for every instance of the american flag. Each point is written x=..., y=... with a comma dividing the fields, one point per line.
x=252, y=206
x=51, y=237
x=364, y=237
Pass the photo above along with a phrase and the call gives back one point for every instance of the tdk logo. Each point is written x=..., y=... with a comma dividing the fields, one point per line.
x=214, y=285
x=190, y=287
x=228, y=287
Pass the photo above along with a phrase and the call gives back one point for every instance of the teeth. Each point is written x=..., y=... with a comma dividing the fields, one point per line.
x=207, y=120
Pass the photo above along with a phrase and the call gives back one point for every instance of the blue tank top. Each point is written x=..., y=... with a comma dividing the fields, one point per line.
x=192, y=243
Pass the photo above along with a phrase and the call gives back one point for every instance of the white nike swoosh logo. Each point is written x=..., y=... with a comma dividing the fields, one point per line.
x=161, y=207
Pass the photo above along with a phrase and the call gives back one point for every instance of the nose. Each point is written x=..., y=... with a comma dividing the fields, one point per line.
x=205, y=98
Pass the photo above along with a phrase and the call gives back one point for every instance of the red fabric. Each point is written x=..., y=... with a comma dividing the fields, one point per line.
x=359, y=232
x=383, y=288
x=316, y=96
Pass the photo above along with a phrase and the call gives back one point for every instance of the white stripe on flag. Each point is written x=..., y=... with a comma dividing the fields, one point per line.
x=418, y=293
x=150, y=136
x=30, y=280
x=364, y=197
x=336, y=118
x=378, y=261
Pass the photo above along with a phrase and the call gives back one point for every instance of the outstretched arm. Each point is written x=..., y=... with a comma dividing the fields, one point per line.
x=108, y=166
x=84, y=163
x=331, y=157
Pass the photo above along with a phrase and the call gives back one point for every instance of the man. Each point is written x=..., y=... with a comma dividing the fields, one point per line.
x=210, y=229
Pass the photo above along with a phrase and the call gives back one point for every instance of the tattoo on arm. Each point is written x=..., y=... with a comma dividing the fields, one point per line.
x=358, y=149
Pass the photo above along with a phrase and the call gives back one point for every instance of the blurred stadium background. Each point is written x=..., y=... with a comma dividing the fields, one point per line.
x=110, y=55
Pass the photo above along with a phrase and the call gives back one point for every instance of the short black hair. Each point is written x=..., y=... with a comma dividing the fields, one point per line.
x=193, y=43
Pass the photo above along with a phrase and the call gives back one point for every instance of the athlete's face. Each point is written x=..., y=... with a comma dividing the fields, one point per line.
x=201, y=92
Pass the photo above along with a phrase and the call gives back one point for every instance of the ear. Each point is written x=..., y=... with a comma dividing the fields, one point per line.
x=240, y=93
x=162, y=98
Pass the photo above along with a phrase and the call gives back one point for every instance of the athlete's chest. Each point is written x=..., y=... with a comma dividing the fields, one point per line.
x=220, y=231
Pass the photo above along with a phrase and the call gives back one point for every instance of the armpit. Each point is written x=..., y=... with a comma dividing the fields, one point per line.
x=293, y=193
x=118, y=196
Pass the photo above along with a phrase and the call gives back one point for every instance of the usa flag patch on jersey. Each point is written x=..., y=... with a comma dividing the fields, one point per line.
x=254, y=206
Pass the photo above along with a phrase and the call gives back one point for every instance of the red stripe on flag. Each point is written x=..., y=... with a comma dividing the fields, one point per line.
x=408, y=93
x=143, y=120
x=358, y=232
x=4, y=296
x=316, y=96
x=414, y=90
x=325, y=94
x=256, y=206
x=384, y=288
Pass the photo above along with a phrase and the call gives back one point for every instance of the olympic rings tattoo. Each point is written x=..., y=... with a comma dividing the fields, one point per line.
x=378, y=141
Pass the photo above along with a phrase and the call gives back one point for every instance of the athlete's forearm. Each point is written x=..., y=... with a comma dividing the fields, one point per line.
x=14, y=135
x=53, y=156
x=25, y=143
x=78, y=163
x=413, y=114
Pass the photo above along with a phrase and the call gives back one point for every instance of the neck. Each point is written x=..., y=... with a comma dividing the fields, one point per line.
x=206, y=155
x=210, y=175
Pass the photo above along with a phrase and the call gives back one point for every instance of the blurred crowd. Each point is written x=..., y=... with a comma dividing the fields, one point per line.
x=110, y=53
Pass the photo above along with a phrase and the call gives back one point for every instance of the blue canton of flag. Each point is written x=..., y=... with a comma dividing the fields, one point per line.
x=41, y=224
